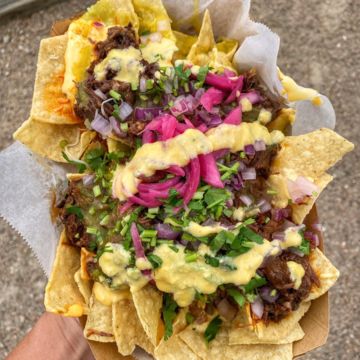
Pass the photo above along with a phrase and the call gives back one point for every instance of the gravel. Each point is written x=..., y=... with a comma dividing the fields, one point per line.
x=320, y=48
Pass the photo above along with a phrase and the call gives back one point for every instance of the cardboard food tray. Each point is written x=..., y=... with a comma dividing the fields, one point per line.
x=315, y=323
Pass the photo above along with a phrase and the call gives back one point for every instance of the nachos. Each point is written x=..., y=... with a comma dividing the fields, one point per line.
x=184, y=229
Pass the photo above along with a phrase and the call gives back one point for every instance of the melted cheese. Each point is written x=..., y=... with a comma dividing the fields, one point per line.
x=296, y=92
x=198, y=230
x=126, y=63
x=108, y=296
x=161, y=52
x=297, y=273
x=181, y=149
x=115, y=265
x=183, y=279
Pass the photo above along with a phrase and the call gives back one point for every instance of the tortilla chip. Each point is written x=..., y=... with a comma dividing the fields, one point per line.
x=174, y=349
x=85, y=255
x=128, y=330
x=44, y=139
x=82, y=35
x=199, y=52
x=116, y=145
x=278, y=183
x=286, y=331
x=326, y=272
x=276, y=331
x=148, y=304
x=62, y=295
x=98, y=325
x=150, y=13
x=50, y=104
x=259, y=352
x=219, y=348
x=228, y=47
x=311, y=154
x=184, y=42
x=85, y=287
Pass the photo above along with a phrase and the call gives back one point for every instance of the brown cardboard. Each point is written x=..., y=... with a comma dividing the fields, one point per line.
x=315, y=323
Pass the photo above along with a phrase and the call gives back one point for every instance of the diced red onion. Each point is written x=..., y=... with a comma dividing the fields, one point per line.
x=249, y=150
x=288, y=224
x=259, y=145
x=278, y=235
x=183, y=104
x=209, y=171
x=253, y=96
x=146, y=114
x=257, y=308
x=218, y=154
x=300, y=188
x=246, y=199
x=265, y=207
x=165, y=231
x=296, y=251
x=234, y=117
x=219, y=81
x=116, y=127
x=235, y=92
x=226, y=309
x=101, y=125
x=280, y=214
x=203, y=128
x=125, y=110
x=248, y=174
x=139, y=249
x=100, y=94
x=266, y=294
x=314, y=239
x=88, y=179
x=211, y=97
x=142, y=84
x=98, y=24
x=199, y=93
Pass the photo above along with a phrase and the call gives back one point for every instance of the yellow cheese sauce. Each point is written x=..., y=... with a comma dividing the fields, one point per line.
x=181, y=149
x=297, y=273
x=161, y=52
x=126, y=63
x=108, y=296
x=296, y=92
x=115, y=265
x=183, y=279
x=198, y=230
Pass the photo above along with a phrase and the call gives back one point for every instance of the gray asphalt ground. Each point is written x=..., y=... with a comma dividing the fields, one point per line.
x=320, y=48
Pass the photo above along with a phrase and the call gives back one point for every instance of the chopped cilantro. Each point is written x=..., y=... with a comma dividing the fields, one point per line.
x=305, y=244
x=254, y=283
x=174, y=248
x=155, y=260
x=215, y=197
x=212, y=329
x=75, y=210
x=189, y=318
x=213, y=261
x=237, y=296
x=169, y=314
x=201, y=76
x=248, y=234
x=191, y=257
x=115, y=95
x=221, y=239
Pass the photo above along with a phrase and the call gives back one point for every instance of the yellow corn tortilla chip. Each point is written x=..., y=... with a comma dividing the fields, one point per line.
x=326, y=272
x=199, y=52
x=85, y=287
x=50, y=104
x=153, y=18
x=278, y=182
x=228, y=47
x=127, y=328
x=148, y=304
x=115, y=145
x=82, y=35
x=45, y=139
x=282, y=329
x=284, y=332
x=62, y=295
x=220, y=349
x=184, y=42
x=98, y=325
x=311, y=154
x=174, y=349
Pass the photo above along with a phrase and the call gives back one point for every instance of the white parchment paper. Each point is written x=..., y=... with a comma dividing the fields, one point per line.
x=26, y=181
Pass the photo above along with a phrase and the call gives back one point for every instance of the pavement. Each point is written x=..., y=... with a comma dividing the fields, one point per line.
x=320, y=48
